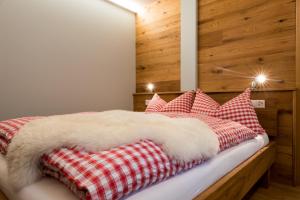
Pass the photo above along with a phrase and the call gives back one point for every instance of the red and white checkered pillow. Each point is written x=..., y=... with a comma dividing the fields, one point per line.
x=183, y=103
x=156, y=104
x=9, y=128
x=238, y=109
x=204, y=104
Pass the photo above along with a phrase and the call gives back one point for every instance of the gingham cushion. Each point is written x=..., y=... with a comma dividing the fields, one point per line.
x=9, y=128
x=118, y=172
x=238, y=109
x=204, y=104
x=183, y=103
x=156, y=104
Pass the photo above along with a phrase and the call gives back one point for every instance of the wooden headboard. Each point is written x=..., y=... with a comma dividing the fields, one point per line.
x=278, y=119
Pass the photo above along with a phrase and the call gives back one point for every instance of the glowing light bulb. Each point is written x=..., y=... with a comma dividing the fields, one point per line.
x=261, y=78
x=150, y=87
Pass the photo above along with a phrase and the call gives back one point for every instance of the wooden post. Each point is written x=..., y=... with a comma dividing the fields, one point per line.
x=296, y=134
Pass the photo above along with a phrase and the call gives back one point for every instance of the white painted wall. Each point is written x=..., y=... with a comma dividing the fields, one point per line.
x=189, y=58
x=64, y=56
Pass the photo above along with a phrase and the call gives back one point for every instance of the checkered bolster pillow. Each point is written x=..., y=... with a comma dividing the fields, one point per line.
x=204, y=104
x=181, y=104
x=116, y=173
x=238, y=109
x=9, y=128
x=155, y=104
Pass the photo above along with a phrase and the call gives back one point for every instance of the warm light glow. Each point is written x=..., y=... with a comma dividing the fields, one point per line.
x=128, y=4
x=261, y=78
x=150, y=87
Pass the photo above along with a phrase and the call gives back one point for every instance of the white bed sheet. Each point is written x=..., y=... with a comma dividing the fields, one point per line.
x=187, y=185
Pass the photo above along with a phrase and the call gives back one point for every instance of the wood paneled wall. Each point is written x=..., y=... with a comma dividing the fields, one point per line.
x=158, y=46
x=247, y=36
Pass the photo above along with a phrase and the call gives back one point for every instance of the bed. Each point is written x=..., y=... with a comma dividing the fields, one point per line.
x=186, y=184
x=232, y=172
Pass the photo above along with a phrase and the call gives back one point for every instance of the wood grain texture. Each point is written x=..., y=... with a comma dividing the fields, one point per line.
x=276, y=191
x=158, y=46
x=247, y=36
x=240, y=180
x=277, y=118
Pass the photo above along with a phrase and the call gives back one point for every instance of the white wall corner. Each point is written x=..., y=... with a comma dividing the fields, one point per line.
x=189, y=45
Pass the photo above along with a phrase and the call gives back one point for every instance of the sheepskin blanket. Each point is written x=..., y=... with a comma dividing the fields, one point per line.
x=184, y=139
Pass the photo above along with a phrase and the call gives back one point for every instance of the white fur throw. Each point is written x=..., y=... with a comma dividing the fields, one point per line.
x=184, y=139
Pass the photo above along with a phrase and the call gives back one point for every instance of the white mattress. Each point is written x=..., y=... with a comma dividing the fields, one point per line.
x=187, y=185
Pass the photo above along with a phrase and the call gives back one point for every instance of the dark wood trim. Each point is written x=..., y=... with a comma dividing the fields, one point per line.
x=265, y=180
x=255, y=90
x=296, y=148
x=3, y=196
x=220, y=91
x=296, y=138
x=152, y=93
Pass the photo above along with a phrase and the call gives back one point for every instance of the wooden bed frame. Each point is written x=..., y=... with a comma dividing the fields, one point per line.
x=237, y=183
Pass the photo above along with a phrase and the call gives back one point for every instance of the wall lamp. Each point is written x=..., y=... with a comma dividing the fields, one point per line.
x=257, y=81
x=150, y=87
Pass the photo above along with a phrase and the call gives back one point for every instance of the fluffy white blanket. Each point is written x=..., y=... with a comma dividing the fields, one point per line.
x=184, y=139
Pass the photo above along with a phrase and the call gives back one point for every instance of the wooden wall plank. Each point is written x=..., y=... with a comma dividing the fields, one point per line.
x=247, y=36
x=158, y=46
